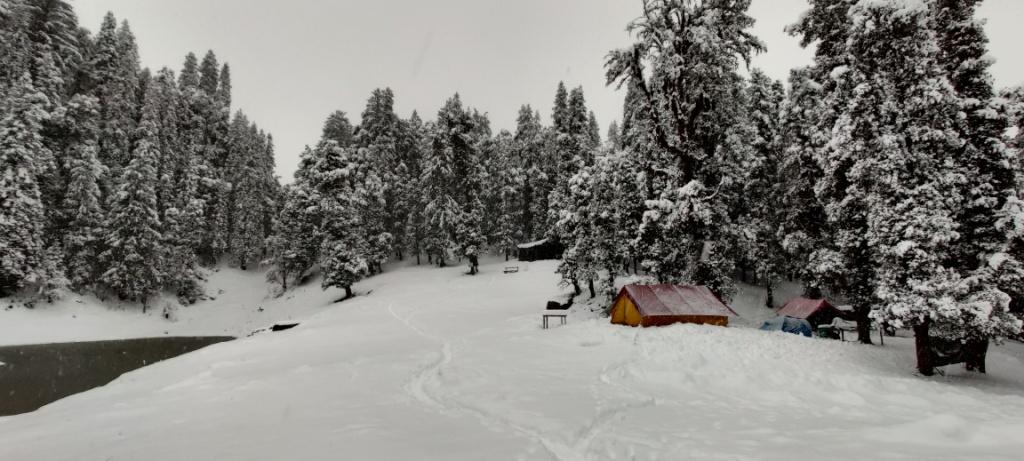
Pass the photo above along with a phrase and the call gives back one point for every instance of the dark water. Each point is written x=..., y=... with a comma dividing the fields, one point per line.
x=35, y=375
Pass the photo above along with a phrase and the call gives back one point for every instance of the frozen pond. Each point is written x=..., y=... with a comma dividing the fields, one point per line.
x=34, y=375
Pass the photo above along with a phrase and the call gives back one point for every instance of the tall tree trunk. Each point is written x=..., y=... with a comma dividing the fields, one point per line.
x=348, y=292
x=922, y=344
x=576, y=287
x=863, y=324
x=769, y=300
x=417, y=258
x=590, y=285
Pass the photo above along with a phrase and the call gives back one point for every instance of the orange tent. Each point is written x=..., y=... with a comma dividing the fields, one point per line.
x=657, y=305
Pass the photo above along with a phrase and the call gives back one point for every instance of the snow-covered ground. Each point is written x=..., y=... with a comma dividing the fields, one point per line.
x=433, y=364
x=240, y=303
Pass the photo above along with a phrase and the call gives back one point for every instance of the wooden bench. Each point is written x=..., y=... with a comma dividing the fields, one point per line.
x=561, y=316
x=511, y=269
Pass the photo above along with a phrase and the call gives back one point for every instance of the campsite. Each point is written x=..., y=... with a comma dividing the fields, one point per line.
x=466, y=357
x=530, y=230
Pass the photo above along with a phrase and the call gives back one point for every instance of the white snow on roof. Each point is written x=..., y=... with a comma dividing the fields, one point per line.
x=533, y=244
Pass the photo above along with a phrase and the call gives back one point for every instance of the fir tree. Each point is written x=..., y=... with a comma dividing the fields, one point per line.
x=224, y=89
x=133, y=259
x=762, y=214
x=686, y=234
x=337, y=128
x=21, y=208
x=189, y=77
x=451, y=180
x=209, y=74
x=114, y=80
x=83, y=206
x=803, y=226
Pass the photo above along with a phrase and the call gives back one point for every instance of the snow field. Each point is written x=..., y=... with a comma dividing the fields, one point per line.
x=434, y=364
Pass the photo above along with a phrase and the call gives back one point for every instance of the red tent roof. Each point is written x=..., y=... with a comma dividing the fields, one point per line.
x=802, y=308
x=674, y=300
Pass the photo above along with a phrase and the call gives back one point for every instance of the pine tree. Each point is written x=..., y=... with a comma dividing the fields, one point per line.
x=224, y=88
x=380, y=163
x=452, y=185
x=528, y=151
x=762, y=214
x=985, y=158
x=614, y=136
x=333, y=174
x=337, y=128
x=593, y=131
x=189, y=77
x=904, y=174
x=294, y=245
x=209, y=74
x=133, y=259
x=416, y=144
x=114, y=80
x=83, y=203
x=559, y=114
x=690, y=112
x=21, y=209
x=803, y=226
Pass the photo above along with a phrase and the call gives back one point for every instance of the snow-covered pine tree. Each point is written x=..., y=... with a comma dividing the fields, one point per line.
x=529, y=151
x=377, y=139
x=503, y=185
x=843, y=261
x=593, y=131
x=337, y=128
x=574, y=151
x=114, y=81
x=189, y=76
x=333, y=174
x=206, y=119
x=294, y=246
x=209, y=74
x=686, y=233
x=55, y=47
x=224, y=88
x=903, y=167
x=451, y=181
x=13, y=43
x=82, y=209
x=415, y=145
x=22, y=218
x=559, y=113
x=762, y=213
x=133, y=260
x=248, y=198
x=803, y=226
x=251, y=192
x=985, y=157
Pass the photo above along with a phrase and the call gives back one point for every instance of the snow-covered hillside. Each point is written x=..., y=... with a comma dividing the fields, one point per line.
x=433, y=364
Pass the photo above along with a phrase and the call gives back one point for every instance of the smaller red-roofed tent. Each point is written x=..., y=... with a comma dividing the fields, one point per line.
x=815, y=311
x=658, y=305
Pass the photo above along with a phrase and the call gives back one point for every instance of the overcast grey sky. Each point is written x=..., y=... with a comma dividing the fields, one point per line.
x=293, y=62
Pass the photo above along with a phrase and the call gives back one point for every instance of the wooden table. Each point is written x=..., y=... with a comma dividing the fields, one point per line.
x=561, y=316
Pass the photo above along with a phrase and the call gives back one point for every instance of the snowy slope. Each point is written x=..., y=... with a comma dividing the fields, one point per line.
x=234, y=309
x=434, y=364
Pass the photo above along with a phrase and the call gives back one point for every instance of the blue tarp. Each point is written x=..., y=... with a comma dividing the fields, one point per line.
x=789, y=325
